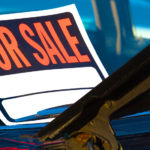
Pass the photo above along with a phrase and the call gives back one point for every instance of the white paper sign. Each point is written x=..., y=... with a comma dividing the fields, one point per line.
x=46, y=61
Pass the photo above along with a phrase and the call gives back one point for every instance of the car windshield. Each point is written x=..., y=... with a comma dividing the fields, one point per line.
x=116, y=30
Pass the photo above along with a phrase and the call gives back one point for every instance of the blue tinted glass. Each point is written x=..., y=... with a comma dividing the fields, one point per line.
x=32, y=5
x=140, y=12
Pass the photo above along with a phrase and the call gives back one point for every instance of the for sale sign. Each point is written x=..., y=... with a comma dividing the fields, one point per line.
x=46, y=61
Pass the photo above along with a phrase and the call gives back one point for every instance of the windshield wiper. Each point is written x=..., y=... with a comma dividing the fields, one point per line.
x=125, y=92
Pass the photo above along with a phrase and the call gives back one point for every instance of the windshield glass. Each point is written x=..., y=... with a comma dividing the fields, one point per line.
x=117, y=31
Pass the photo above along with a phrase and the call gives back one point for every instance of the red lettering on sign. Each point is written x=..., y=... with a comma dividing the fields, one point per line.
x=72, y=40
x=70, y=59
x=12, y=47
x=44, y=60
x=48, y=44
x=6, y=64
